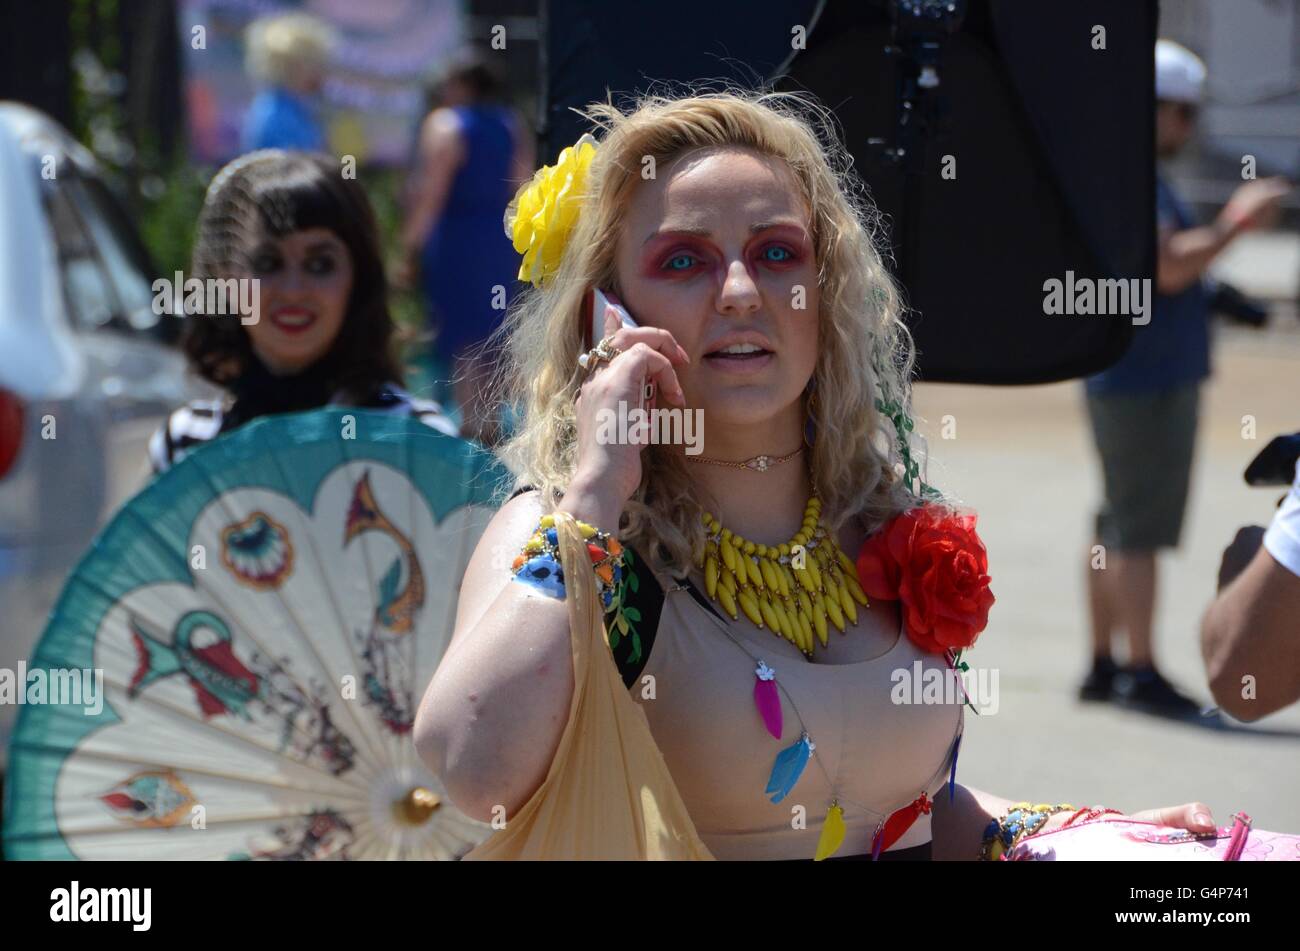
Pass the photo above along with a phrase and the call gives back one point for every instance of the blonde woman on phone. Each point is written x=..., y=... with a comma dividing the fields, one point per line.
x=746, y=258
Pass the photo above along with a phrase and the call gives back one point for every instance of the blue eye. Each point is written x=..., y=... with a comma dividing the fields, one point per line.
x=680, y=262
x=265, y=264
x=323, y=264
x=783, y=254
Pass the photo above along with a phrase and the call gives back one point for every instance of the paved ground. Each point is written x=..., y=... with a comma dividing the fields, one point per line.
x=1023, y=458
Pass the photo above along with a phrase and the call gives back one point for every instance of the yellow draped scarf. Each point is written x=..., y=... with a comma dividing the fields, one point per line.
x=608, y=794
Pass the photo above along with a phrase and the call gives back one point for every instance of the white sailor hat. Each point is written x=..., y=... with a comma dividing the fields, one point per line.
x=1180, y=73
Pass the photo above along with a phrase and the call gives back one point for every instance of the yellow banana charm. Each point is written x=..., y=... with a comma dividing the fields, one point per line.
x=814, y=573
x=783, y=616
x=833, y=609
x=805, y=579
x=727, y=600
x=728, y=580
x=762, y=582
x=784, y=580
x=855, y=589
x=728, y=553
x=846, y=602
x=805, y=628
x=847, y=563
x=749, y=605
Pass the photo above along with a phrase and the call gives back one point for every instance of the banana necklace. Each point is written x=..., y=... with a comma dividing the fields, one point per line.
x=792, y=588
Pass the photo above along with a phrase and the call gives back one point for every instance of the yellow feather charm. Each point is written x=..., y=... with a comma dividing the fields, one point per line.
x=832, y=836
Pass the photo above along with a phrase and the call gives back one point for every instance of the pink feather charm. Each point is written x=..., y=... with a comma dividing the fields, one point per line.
x=767, y=699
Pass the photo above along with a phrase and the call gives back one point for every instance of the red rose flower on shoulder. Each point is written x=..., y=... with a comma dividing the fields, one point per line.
x=932, y=561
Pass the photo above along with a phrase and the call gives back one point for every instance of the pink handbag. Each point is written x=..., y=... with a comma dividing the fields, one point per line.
x=1136, y=840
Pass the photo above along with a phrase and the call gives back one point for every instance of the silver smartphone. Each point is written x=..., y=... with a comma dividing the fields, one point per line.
x=601, y=303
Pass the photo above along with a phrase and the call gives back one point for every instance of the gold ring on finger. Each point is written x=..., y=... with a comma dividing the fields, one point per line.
x=602, y=352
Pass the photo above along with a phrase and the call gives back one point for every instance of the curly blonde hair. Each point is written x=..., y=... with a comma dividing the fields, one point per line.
x=865, y=344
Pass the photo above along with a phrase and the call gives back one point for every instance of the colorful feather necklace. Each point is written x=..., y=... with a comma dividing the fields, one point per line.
x=790, y=762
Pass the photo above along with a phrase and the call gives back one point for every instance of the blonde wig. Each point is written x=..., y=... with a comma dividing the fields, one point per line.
x=866, y=350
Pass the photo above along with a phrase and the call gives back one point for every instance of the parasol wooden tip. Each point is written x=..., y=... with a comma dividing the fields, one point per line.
x=417, y=806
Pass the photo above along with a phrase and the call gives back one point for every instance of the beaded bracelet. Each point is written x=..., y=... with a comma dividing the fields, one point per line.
x=1088, y=814
x=538, y=564
x=1022, y=819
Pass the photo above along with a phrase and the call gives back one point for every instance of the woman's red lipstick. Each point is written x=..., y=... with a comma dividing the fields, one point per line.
x=292, y=320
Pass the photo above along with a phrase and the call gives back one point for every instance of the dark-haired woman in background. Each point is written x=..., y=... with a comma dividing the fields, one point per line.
x=321, y=333
x=473, y=152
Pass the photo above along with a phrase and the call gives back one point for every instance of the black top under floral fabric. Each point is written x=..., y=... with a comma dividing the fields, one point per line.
x=632, y=619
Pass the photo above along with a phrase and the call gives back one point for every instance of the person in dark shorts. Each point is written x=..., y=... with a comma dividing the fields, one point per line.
x=1143, y=410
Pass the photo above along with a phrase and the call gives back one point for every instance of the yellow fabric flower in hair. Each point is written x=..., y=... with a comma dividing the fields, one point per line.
x=543, y=212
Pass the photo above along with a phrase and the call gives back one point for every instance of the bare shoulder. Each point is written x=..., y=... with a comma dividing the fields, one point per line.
x=518, y=516
x=488, y=571
x=441, y=127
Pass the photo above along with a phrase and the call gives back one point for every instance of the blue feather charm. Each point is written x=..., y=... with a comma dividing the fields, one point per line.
x=789, y=767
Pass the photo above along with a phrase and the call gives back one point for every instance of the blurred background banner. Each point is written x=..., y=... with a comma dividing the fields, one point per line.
x=1013, y=92
x=372, y=98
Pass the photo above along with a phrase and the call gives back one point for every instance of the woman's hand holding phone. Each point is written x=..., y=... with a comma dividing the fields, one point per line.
x=607, y=472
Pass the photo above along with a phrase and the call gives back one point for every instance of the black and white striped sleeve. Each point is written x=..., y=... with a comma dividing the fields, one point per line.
x=391, y=398
x=191, y=425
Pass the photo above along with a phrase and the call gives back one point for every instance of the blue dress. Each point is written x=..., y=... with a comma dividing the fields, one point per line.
x=278, y=119
x=467, y=253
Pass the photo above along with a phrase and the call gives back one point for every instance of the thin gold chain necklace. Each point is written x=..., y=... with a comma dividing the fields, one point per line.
x=794, y=589
x=759, y=463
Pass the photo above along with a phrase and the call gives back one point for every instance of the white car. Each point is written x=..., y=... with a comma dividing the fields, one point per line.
x=85, y=375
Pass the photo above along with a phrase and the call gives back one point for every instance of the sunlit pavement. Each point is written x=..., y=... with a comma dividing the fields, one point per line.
x=1023, y=458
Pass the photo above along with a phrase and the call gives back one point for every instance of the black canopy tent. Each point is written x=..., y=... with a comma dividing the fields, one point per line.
x=1049, y=125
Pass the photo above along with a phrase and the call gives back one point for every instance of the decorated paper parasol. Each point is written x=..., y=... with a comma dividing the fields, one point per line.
x=263, y=619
